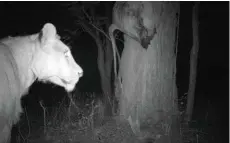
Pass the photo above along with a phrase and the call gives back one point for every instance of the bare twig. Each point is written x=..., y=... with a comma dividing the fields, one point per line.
x=24, y=138
x=71, y=100
x=72, y=32
x=44, y=114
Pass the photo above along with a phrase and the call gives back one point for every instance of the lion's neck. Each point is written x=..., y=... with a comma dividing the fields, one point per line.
x=23, y=49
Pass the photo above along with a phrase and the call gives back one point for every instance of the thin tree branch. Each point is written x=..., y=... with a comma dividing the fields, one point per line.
x=89, y=17
x=87, y=29
x=101, y=31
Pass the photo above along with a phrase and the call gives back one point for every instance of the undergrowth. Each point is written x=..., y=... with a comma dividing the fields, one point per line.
x=83, y=121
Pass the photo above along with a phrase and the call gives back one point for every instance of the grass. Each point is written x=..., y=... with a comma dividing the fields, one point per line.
x=71, y=123
x=83, y=121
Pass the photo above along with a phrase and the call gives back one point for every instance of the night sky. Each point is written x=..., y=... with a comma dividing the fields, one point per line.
x=22, y=18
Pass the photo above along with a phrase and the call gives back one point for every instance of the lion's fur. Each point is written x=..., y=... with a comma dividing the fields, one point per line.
x=25, y=59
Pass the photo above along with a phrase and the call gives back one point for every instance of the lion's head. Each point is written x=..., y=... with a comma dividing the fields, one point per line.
x=53, y=60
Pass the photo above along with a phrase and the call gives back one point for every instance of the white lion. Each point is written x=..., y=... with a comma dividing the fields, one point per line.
x=23, y=60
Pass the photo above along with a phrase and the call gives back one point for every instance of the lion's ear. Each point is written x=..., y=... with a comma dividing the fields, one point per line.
x=48, y=33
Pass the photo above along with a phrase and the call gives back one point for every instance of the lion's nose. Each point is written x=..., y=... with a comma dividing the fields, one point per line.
x=80, y=74
x=79, y=71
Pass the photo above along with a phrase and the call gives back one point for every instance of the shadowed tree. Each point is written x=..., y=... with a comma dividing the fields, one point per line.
x=96, y=25
x=146, y=81
x=193, y=63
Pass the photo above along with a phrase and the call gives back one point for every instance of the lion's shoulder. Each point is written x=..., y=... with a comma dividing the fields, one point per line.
x=19, y=41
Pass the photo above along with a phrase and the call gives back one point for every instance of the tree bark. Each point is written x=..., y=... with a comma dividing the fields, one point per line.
x=193, y=64
x=149, y=93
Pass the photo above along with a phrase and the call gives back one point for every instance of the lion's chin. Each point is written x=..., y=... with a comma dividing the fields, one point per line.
x=68, y=85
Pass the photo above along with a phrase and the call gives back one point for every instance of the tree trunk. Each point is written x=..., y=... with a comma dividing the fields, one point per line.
x=104, y=62
x=149, y=92
x=105, y=59
x=193, y=64
x=94, y=24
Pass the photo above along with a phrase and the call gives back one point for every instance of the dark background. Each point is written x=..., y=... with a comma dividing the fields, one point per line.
x=22, y=18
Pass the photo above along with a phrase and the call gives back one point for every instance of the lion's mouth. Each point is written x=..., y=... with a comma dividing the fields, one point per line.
x=67, y=84
x=65, y=81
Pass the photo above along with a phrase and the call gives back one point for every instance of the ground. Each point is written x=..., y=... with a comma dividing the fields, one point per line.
x=84, y=122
